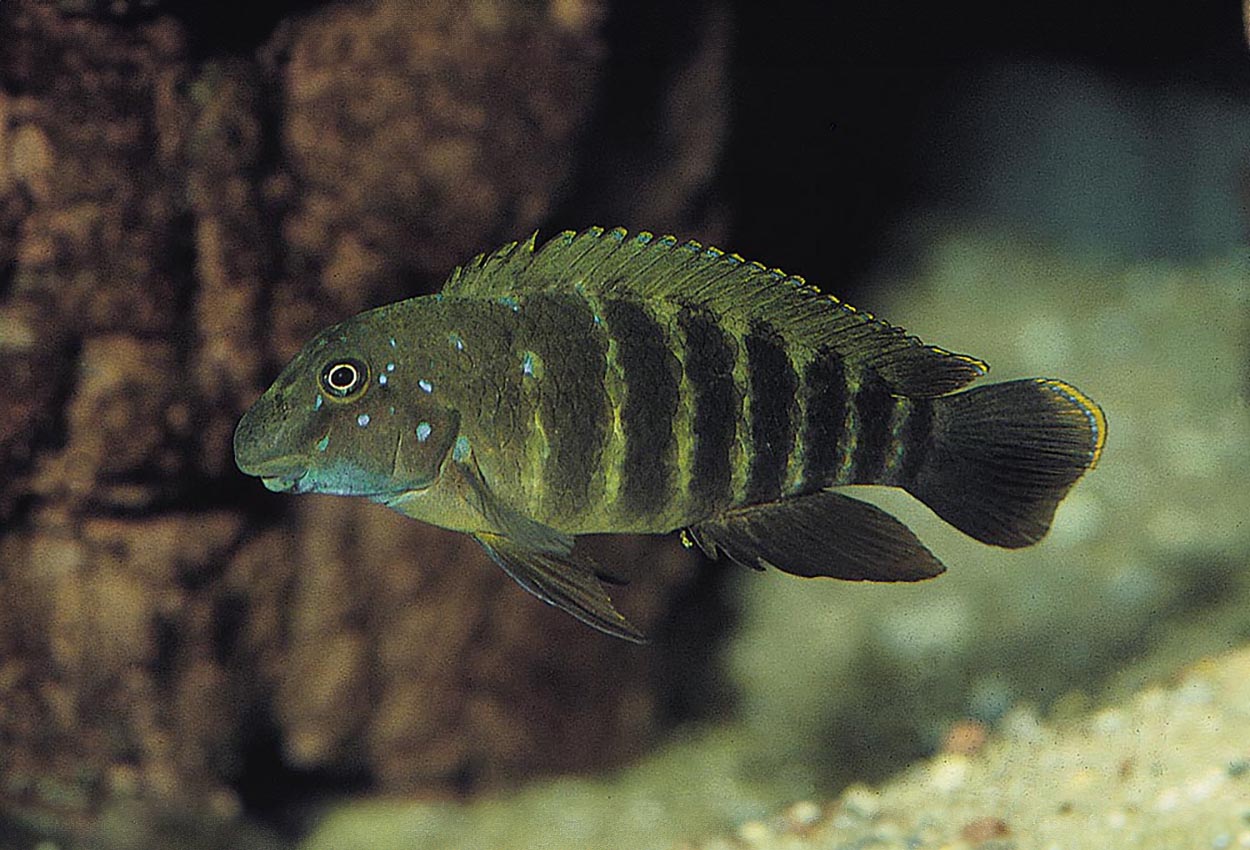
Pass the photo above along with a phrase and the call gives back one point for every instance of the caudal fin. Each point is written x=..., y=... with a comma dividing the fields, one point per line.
x=1002, y=456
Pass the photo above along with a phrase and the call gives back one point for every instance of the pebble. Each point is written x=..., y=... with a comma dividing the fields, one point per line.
x=1023, y=725
x=1168, y=799
x=861, y=800
x=949, y=773
x=1108, y=721
x=1195, y=692
x=802, y=814
x=1205, y=786
x=754, y=832
x=965, y=738
x=983, y=829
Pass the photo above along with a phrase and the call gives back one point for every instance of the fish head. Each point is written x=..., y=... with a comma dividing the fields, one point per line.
x=347, y=417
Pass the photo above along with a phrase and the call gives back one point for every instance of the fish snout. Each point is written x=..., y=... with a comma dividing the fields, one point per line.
x=249, y=446
x=257, y=452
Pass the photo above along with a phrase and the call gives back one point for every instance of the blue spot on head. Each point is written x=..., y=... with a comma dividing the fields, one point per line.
x=323, y=442
x=527, y=364
x=423, y=431
x=456, y=340
x=510, y=302
x=462, y=448
x=320, y=401
x=382, y=379
x=392, y=342
x=390, y=367
x=425, y=385
x=362, y=420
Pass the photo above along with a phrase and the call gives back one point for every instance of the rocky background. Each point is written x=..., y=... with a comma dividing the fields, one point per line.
x=189, y=190
x=175, y=220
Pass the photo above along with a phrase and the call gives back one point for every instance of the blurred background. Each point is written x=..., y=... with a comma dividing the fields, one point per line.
x=188, y=191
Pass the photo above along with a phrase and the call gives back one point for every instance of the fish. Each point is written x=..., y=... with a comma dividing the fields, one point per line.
x=609, y=383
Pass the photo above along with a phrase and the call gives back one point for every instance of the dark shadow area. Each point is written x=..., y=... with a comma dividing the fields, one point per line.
x=693, y=683
x=837, y=132
x=282, y=798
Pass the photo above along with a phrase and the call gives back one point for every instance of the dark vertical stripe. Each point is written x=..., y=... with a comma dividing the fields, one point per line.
x=873, y=406
x=651, y=374
x=824, y=382
x=709, y=362
x=916, y=430
x=773, y=385
x=573, y=404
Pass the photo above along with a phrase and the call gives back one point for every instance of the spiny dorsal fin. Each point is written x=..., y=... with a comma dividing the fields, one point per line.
x=647, y=267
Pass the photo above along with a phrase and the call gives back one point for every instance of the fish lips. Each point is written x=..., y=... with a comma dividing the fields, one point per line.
x=295, y=473
x=280, y=474
x=288, y=483
x=301, y=480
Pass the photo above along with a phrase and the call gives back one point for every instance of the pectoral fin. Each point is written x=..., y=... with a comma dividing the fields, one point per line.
x=537, y=556
x=524, y=532
x=822, y=534
x=559, y=580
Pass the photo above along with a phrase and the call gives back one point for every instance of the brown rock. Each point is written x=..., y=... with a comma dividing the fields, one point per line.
x=416, y=656
x=170, y=230
x=32, y=373
x=92, y=139
x=416, y=140
x=123, y=424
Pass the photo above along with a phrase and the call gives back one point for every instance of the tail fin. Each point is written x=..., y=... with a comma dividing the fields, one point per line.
x=1002, y=456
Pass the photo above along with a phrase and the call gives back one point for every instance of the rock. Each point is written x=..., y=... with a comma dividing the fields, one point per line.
x=176, y=217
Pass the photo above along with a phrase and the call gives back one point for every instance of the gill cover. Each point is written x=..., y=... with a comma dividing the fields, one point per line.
x=346, y=417
x=423, y=449
x=379, y=430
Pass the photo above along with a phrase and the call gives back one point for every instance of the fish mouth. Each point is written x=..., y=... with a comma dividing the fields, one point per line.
x=293, y=474
x=284, y=474
x=299, y=481
x=286, y=483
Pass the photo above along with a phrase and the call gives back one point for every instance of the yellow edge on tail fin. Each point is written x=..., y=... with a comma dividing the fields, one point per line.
x=1097, y=418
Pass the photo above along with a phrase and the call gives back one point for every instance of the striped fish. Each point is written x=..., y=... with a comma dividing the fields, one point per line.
x=634, y=384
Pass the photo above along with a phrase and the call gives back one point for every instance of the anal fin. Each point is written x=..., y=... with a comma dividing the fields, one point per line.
x=821, y=534
x=559, y=580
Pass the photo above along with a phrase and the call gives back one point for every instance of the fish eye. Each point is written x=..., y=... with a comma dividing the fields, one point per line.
x=342, y=378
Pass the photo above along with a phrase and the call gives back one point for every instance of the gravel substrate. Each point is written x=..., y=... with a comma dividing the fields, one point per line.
x=1170, y=768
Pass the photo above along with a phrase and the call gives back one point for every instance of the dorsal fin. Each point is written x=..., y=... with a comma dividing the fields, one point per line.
x=647, y=267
